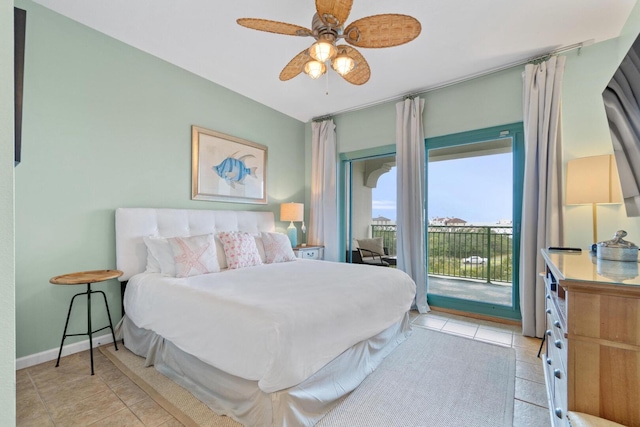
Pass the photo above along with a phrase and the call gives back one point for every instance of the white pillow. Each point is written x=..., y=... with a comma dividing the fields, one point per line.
x=240, y=249
x=153, y=266
x=277, y=248
x=260, y=246
x=222, y=260
x=194, y=255
x=161, y=250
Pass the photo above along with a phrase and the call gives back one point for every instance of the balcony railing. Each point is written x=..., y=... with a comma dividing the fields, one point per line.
x=471, y=252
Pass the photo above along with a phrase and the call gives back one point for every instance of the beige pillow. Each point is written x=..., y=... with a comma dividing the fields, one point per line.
x=374, y=245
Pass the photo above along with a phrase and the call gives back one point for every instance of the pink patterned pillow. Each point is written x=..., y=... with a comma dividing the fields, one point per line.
x=240, y=249
x=194, y=255
x=277, y=248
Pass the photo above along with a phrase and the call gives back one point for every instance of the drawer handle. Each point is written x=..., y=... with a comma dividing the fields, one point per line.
x=558, y=344
x=548, y=296
x=557, y=324
x=549, y=361
x=558, y=412
x=557, y=373
x=548, y=332
x=548, y=311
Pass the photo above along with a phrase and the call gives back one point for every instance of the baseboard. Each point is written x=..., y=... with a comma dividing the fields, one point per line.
x=46, y=356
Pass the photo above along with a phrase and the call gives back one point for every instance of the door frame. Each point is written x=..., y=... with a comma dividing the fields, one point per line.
x=345, y=188
x=516, y=132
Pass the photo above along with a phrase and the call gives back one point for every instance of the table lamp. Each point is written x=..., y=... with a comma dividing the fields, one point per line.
x=593, y=180
x=292, y=212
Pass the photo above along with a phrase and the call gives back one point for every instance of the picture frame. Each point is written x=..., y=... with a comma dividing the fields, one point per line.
x=226, y=168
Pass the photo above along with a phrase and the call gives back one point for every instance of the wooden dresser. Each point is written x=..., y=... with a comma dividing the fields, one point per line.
x=592, y=342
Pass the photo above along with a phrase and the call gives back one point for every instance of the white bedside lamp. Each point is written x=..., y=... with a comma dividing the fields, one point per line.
x=592, y=181
x=292, y=212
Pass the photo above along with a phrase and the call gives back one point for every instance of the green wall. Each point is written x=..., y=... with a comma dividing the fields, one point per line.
x=492, y=100
x=108, y=126
x=585, y=130
x=7, y=278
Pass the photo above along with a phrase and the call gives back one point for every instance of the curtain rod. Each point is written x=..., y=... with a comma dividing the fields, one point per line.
x=467, y=78
x=322, y=118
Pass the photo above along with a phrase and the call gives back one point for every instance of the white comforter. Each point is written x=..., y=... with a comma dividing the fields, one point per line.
x=276, y=323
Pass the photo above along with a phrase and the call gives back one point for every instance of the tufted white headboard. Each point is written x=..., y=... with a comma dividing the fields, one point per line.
x=132, y=224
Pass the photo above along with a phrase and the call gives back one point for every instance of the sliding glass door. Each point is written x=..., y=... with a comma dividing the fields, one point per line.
x=370, y=203
x=474, y=189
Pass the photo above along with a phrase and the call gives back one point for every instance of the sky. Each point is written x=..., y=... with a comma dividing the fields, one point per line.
x=475, y=189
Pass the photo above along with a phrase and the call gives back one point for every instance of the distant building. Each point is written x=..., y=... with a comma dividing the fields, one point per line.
x=437, y=221
x=381, y=220
x=455, y=221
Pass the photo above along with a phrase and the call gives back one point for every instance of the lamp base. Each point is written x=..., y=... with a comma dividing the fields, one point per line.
x=292, y=233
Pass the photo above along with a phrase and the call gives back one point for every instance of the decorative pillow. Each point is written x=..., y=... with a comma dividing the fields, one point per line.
x=277, y=248
x=374, y=245
x=222, y=260
x=160, y=249
x=153, y=266
x=240, y=249
x=194, y=255
x=260, y=246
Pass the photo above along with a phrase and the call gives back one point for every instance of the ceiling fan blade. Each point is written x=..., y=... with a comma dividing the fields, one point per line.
x=334, y=12
x=382, y=30
x=361, y=73
x=295, y=66
x=274, y=27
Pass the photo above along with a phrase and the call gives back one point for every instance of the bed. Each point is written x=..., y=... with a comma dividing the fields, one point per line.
x=271, y=344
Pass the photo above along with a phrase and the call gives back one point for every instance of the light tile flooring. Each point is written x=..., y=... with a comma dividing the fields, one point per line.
x=70, y=396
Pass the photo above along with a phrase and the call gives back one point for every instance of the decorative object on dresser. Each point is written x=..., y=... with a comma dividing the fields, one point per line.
x=292, y=212
x=591, y=181
x=618, y=249
x=82, y=278
x=227, y=169
x=592, y=347
x=309, y=252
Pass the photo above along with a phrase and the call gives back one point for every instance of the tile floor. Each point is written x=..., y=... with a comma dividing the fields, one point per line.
x=70, y=396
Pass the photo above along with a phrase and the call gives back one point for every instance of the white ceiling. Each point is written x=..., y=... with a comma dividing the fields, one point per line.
x=459, y=38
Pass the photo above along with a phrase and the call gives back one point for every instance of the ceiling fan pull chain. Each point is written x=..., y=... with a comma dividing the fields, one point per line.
x=327, y=87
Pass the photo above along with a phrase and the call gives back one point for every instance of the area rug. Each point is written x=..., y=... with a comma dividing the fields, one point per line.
x=433, y=379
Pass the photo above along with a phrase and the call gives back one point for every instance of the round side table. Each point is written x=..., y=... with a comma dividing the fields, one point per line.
x=81, y=278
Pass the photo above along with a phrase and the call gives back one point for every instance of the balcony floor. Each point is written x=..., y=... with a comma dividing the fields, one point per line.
x=470, y=289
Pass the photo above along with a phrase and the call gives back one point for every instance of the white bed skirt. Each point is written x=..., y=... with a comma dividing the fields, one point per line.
x=301, y=405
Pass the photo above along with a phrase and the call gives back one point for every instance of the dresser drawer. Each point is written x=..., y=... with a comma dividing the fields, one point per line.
x=309, y=252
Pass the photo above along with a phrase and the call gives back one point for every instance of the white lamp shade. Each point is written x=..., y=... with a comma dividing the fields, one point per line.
x=343, y=64
x=322, y=51
x=593, y=180
x=292, y=212
x=314, y=69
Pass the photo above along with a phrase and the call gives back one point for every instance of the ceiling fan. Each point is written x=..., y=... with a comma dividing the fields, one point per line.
x=327, y=27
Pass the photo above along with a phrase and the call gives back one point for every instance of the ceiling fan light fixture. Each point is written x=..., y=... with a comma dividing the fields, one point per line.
x=314, y=69
x=322, y=51
x=343, y=64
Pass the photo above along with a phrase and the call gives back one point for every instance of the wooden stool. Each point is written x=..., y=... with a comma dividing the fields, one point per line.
x=578, y=419
x=81, y=278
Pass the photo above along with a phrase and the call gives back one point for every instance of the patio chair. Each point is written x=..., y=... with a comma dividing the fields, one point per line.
x=357, y=258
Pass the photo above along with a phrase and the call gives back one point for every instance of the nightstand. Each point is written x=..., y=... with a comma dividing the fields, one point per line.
x=309, y=252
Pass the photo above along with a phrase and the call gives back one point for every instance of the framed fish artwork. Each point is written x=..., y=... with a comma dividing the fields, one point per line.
x=227, y=169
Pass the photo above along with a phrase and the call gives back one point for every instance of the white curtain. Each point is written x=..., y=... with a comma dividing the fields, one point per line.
x=323, y=227
x=542, y=209
x=410, y=167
